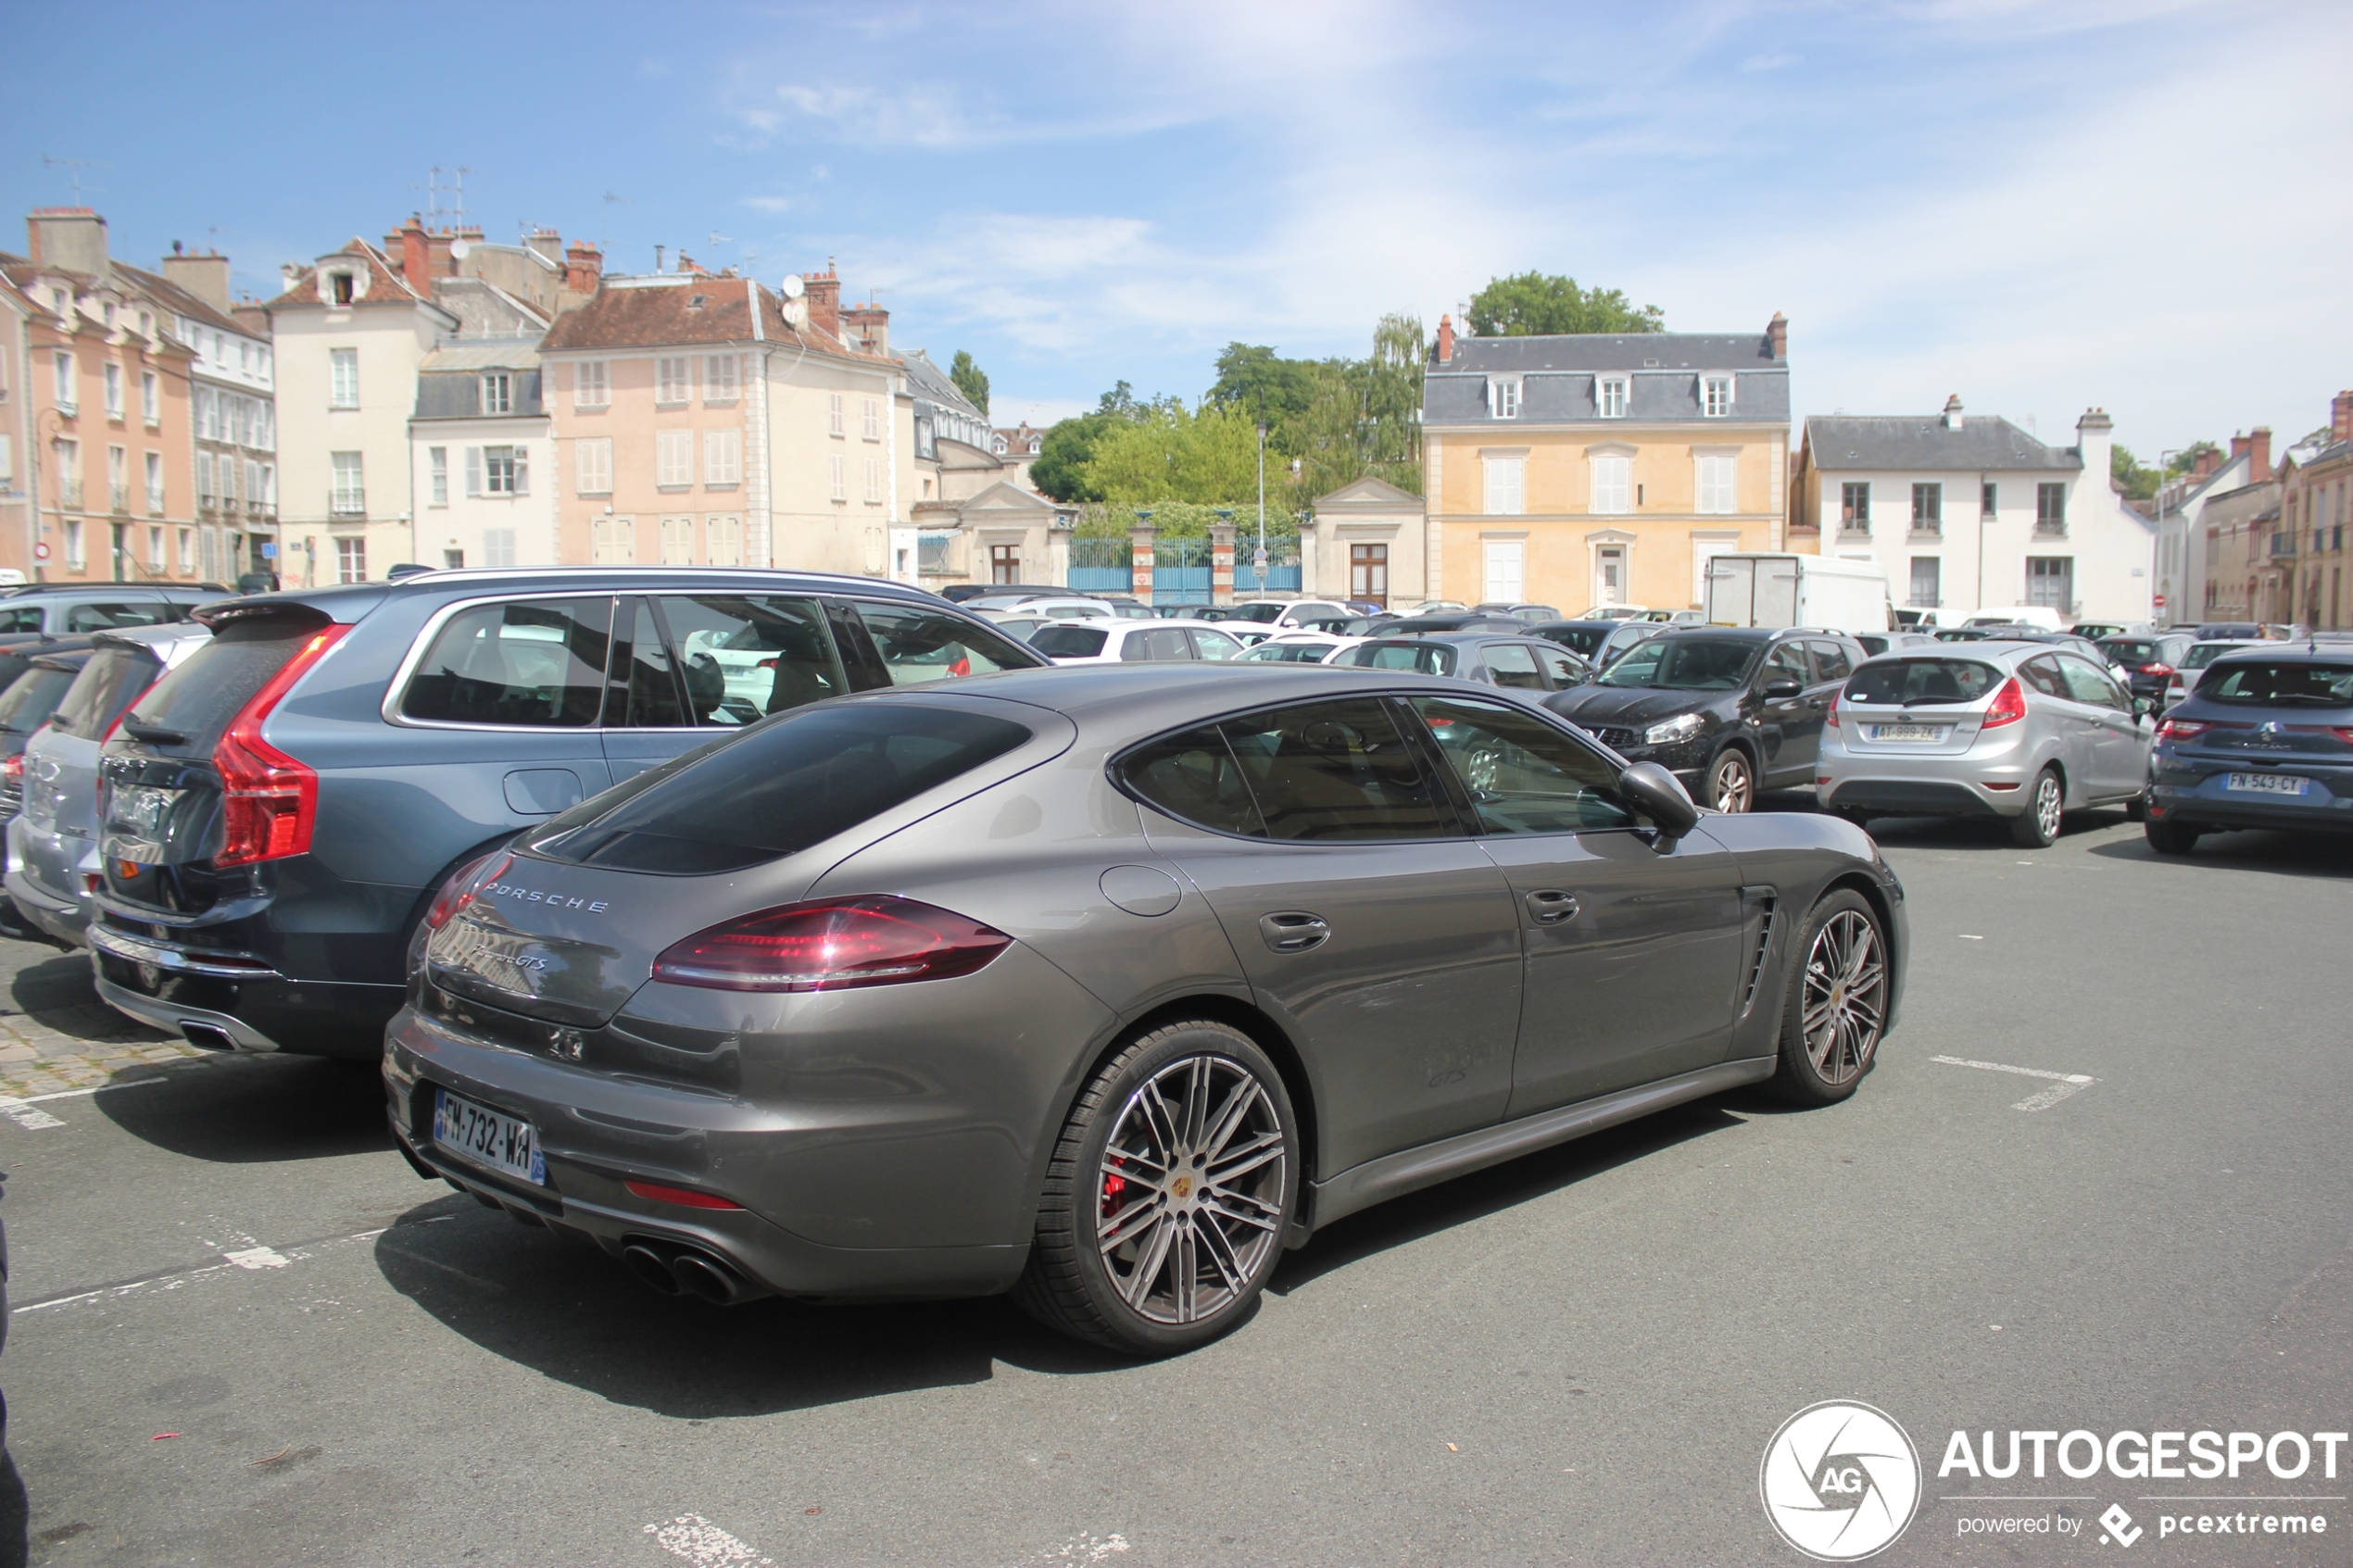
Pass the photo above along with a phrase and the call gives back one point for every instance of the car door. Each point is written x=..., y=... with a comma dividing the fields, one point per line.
x=1562, y=670
x=1630, y=944
x=1213, y=645
x=2070, y=725
x=1370, y=924
x=1790, y=727
x=2118, y=741
x=686, y=668
x=1512, y=665
x=1154, y=645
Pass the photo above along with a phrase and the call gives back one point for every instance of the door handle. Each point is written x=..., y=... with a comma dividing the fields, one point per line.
x=1551, y=908
x=1293, y=931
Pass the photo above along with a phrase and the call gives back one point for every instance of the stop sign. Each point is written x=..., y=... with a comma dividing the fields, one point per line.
x=2160, y=601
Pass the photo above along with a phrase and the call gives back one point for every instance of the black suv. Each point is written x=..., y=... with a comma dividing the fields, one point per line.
x=278, y=811
x=66, y=608
x=1729, y=710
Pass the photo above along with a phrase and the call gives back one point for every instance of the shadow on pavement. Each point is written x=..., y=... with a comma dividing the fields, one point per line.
x=56, y=992
x=1982, y=833
x=570, y=1312
x=2288, y=854
x=250, y=1109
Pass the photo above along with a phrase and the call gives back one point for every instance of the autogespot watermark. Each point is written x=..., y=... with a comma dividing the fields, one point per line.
x=1840, y=1481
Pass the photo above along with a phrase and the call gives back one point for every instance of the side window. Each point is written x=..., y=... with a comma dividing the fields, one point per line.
x=1788, y=659
x=1337, y=770
x=27, y=619
x=2086, y=682
x=1514, y=665
x=1521, y=774
x=1831, y=663
x=1559, y=668
x=1194, y=778
x=918, y=646
x=132, y=612
x=644, y=691
x=1214, y=644
x=1154, y=645
x=746, y=656
x=537, y=662
x=2042, y=673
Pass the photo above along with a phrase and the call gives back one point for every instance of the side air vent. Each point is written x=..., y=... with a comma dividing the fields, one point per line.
x=1758, y=906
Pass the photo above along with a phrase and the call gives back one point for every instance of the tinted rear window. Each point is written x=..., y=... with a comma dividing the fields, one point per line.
x=1429, y=659
x=33, y=696
x=1922, y=680
x=1318, y=770
x=108, y=684
x=783, y=784
x=1068, y=642
x=2129, y=650
x=206, y=690
x=2286, y=684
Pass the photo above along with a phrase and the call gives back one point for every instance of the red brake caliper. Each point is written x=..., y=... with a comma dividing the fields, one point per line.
x=1113, y=1187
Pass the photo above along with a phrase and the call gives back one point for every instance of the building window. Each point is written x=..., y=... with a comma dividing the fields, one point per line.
x=870, y=419
x=351, y=560
x=114, y=391
x=997, y=445
x=1989, y=500
x=1927, y=584
x=1502, y=400
x=722, y=540
x=77, y=553
x=842, y=477
x=594, y=458
x=874, y=481
x=67, y=404
x=1611, y=398
x=1004, y=563
x=499, y=393
x=204, y=479
x=9, y=460
x=1854, y=509
x=1716, y=395
x=150, y=397
x=674, y=458
x=723, y=458
x=720, y=377
x=2050, y=508
x=1507, y=486
x=343, y=378
x=68, y=473
x=2050, y=583
x=612, y=541
x=1927, y=509
x=673, y=378
x=437, y=470
x=591, y=384
x=833, y=423
x=155, y=483
x=498, y=547
x=1613, y=482
x=118, y=479
x=340, y=291
x=187, y=545
x=1368, y=573
x=349, y=497
x=155, y=549
x=1719, y=482
x=677, y=540
x=497, y=470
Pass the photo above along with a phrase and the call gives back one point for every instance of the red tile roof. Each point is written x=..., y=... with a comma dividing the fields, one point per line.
x=386, y=284
x=628, y=313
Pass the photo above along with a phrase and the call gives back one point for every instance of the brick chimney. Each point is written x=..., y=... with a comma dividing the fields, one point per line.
x=869, y=327
x=2341, y=415
x=1776, y=333
x=412, y=256
x=584, y=266
x=1445, y=338
x=206, y=276
x=2209, y=459
x=823, y=292
x=72, y=239
x=2259, y=455
x=438, y=262
x=1952, y=408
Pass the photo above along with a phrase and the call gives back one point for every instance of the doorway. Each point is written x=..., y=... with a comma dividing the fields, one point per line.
x=1368, y=574
x=1609, y=574
x=1506, y=561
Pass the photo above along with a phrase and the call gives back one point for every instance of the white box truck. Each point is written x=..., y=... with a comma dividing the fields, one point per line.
x=1794, y=590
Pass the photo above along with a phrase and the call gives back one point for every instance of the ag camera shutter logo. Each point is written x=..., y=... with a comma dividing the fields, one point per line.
x=1840, y=1481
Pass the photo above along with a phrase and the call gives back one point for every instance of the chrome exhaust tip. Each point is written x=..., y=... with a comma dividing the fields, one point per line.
x=707, y=1278
x=649, y=1266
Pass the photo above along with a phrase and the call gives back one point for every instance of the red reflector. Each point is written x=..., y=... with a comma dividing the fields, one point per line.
x=2001, y=787
x=269, y=800
x=2008, y=706
x=832, y=944
x=14, y=766
x=686, y=1198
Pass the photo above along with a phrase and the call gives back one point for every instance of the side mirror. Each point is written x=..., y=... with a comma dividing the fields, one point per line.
x=1659, y=796
x=2143, y=707
x=1779, y=688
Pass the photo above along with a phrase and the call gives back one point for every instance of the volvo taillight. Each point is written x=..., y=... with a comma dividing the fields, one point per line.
x=269, y=800
x=2008, y=707
x=832, y=944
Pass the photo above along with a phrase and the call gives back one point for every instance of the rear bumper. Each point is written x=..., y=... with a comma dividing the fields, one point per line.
x=172, y=985
x=1918, y=797
x=44, y=870
x=2196, y=794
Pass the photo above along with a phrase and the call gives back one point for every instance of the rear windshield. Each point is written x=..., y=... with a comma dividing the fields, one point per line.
x=1258, y=613
x=2132, y=650
x=783, y=784
x=1922, y=680
x=1069, y=642
x=33, y=696
x=1429, y=659
x=2286, y=684
x=1580, y=640
x=108, y=684
x=201, y=695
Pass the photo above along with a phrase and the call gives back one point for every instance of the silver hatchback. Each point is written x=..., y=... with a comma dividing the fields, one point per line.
x=2017, y=731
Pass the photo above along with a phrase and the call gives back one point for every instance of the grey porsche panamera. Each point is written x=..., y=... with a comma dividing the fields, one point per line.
x=1104, y=987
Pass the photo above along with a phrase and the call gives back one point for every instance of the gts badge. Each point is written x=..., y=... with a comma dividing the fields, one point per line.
x=568, y=1045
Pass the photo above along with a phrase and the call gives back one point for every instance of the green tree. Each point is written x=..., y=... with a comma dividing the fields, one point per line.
x=2139, y=481
x=1060, y=471
x=1535, y=303
x=1254, y=379
x=1173, y=454
x=2186, y=458
x=970, y=379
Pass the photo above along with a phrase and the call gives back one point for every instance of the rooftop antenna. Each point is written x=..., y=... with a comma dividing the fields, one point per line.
x=612, y=200
x=73, y=166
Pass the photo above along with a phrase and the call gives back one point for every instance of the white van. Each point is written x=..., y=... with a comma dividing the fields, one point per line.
x=2040, y=616
x=1787, y=589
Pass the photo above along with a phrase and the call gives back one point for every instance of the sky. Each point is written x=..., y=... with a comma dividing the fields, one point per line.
x=2039, y=208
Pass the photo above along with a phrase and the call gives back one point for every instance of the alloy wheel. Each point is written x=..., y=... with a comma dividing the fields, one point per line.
x=1735, y=787
x=1189, y=1198
x=2049, y=806
x=1846, y=997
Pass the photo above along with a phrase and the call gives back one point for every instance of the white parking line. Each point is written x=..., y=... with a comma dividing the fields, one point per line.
x=21, y=1112
x=2062, y=1084
x=705, y=1545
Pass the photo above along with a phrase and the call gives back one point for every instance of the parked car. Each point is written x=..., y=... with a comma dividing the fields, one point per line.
x=1619, y=612
x=1877, y=642
x=1133, y=642
x=1435, y=606
x=1730, y=710
x=2265, y=740
x=69, y=608
x=2019, y=732
x=1054, y=607
x=36, y=679
x=2148, y=662
x=1288, y=612
x=2042, y=617
x=1128, y=609
x=1364, y=625
x=54, y=839
x=964, y=593
x=1014, y=623
x=278, y=811
x=1523, y=663
x=1599, y=643
x=1296, y=647
x=2101, y=631
x=1084, y=986
x=1456, y=621
x=2195, y=657
x=1519, y=611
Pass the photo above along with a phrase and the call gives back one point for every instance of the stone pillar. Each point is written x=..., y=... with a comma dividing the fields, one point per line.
x=1058, y=553
x=1311, y=582
x=1221, y=563
x=1139, y=561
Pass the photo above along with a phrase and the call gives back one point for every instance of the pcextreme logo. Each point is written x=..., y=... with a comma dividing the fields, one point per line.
x=1840, y=1481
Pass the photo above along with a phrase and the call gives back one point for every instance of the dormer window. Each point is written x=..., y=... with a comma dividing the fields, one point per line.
x=1504, y=399
x=1037, y=445
x=340, y=287
x=1716, y=396
x=1609, y=397
x=497, y=393
x=694, y=301
x=997, y=445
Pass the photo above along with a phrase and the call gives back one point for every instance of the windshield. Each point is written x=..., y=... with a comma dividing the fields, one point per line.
x=1907, y=681
x=1429, y=659
x=1257, y=612
x=1686, y=664
x=2279, y=683
x=1583, y=641
x=1289, y=653
x=1069, y=642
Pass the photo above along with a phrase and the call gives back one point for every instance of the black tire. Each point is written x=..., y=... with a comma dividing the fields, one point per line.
x=2170, y=838
x=2037, y=827
x=1731, y=783
x=1823, y=1069
x=1073, y=1284
x=2138, y=808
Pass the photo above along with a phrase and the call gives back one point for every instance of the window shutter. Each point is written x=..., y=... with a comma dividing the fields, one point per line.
x=523, y=471
x=474, y=470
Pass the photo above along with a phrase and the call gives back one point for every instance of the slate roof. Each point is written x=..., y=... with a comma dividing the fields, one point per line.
x=1920, y=443
x=931, y=383
x=1557, y=378
x=650, y=313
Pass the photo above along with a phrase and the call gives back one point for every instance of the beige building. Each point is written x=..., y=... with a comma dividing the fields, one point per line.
x=1595, y=470
x=1365, y=544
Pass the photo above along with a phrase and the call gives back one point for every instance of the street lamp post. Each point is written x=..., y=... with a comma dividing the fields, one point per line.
x=2168, y=580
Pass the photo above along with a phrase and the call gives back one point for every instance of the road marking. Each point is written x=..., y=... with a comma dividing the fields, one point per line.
x=705, y=1545
x=246, y=1258
x=258, y=1258
x=2062, y=1084
x=22, y=1114
x=93, y=1089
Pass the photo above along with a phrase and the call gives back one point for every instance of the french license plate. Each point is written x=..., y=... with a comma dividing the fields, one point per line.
x=2267, y=784
x=506, y=1144
x=1908, y=732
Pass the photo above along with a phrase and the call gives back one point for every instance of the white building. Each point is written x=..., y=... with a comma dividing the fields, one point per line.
x=1971, y=515
x=481, y=457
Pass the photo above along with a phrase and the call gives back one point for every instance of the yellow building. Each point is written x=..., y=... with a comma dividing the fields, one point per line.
x=1595, y=470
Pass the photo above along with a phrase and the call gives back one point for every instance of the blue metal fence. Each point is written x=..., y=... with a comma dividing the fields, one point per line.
x=1283, y=574
x=1101, y=565
x=1180, y=571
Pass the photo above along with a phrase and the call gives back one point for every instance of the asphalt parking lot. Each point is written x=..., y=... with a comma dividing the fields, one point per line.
x=244, y=1333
